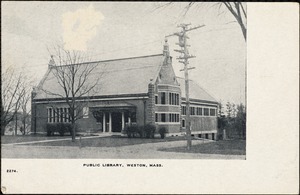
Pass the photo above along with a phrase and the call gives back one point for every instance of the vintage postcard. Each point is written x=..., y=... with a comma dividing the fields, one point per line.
x=149, y=97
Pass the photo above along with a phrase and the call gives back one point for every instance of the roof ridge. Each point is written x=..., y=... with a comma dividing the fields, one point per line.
x=42, y=81
x=118, y=70
x=99, y=61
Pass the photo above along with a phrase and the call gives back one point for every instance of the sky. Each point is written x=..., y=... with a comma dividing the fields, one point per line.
x=113, y=30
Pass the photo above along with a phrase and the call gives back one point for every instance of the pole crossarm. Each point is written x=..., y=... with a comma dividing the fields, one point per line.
x=180, y=51
x=185, y=57
x=183, y=25
x=188, y=68
x=200, y=26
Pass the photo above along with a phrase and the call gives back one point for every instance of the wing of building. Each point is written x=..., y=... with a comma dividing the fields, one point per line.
x=142, y=90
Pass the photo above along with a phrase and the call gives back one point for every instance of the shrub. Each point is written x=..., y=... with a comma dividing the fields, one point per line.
x=65, y=127
x=134, y=131
x=61, y=128
x=149, y=130
x=131, y=130
x=50, y=129
x=140, y=131
x=162, y=132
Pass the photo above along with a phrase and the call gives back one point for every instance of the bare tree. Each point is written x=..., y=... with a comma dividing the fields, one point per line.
x=11, y=95
x=237, y=9
x=229, y=109
x=25, y=107
x=233, y=110
x=239, y=12
x=72, y=70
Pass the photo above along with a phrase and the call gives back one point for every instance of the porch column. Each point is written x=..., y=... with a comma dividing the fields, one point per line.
x=110, y=122
x=123, y=121
x=104, y=122
x=129, y=120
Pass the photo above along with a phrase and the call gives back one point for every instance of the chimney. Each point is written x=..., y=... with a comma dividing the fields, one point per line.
x=51, y=62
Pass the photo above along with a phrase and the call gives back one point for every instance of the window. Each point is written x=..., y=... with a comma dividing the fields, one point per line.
x=199, y=111
x=156, y=99
x=156, y=117
x=212, y=112
x=69, y=111
x=183, y=110
x=65, y=114
x=173, y=99
x=68, y=117
x=192, y=111
x=163, y=98
x=206, y=134
x=54, y=114
x=206, y=112
x=61, y=115
x=163, y=117
x=173, y=117
x=183, y=123
x=58, y=115
x=85, y=111
x=49, y=115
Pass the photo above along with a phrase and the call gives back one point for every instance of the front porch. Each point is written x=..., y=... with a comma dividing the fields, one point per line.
x=112, y=119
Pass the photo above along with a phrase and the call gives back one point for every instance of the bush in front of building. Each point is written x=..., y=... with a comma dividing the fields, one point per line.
x=132, y=131
x=60, y=128
x=162, y=131
x=50, y=128
x=149, y=130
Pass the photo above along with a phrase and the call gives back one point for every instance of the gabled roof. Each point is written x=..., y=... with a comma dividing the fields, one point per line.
x=196, y=92
x=120, y=77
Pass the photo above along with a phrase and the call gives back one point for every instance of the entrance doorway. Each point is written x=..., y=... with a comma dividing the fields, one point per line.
x=116, y=121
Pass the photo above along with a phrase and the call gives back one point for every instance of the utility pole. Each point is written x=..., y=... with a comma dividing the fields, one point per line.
x=183, y=58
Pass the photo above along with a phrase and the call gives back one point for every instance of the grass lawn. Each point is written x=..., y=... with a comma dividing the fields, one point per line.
x=226, y=147
x=114, y=141
x=8, y=139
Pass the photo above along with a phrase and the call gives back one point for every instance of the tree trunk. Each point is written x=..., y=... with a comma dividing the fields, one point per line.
x=3, y=125
x=16, y=125
x=24, y=127
x=73, y=132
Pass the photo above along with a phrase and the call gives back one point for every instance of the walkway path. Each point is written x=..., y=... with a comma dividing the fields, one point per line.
x=54, y=140
x=140, y=151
